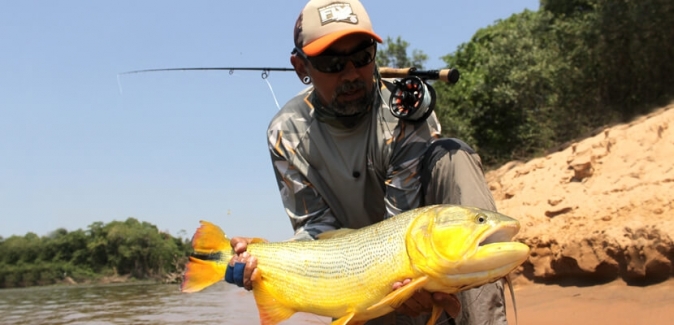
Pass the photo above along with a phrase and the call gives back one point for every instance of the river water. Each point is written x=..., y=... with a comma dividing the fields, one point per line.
x=133, y=304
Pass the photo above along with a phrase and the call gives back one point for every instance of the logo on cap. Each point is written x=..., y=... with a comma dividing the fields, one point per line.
x=337, y=12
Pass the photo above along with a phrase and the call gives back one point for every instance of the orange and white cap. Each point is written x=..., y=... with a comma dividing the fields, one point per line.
x=322, y=22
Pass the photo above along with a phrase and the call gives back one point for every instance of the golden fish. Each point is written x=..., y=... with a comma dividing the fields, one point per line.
x=348, y=274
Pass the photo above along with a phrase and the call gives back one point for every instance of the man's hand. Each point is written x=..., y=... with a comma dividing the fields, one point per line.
x=422, y=302
x=250, y=273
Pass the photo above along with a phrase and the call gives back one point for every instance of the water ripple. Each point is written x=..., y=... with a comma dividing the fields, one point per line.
x=133, y=304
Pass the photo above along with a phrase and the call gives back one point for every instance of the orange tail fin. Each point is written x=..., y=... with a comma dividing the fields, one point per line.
x=208, y=263
x=209, y=239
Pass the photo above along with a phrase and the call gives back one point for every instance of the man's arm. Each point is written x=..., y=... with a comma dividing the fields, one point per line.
x=308, y=212
x=403, y=185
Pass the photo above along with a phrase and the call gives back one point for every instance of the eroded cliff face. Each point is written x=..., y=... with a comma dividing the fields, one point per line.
x=601, y=209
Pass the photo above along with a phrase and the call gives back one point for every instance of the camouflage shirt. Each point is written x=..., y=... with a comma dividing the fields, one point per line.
x=331, y=176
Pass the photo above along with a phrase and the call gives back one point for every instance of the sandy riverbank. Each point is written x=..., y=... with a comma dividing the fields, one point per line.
x=614, y=303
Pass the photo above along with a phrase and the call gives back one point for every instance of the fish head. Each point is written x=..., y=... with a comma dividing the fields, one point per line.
x=464, y=246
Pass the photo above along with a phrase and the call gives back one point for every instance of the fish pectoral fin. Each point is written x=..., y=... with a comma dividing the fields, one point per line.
x=344, y=320
x=435, y=314
x=397, y=297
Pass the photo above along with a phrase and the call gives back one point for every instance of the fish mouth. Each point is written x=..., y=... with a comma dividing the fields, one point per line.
x=497, y=253
x=504, y=233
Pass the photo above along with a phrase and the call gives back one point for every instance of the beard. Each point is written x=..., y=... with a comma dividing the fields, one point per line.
x=351, y=107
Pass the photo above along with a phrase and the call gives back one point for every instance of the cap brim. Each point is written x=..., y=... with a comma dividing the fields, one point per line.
x=318, y=46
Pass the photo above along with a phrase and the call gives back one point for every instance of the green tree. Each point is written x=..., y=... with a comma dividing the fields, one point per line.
x=394, y=54
x=538, y=79
x=130, y=247
x=500, y=105
x=64, y=246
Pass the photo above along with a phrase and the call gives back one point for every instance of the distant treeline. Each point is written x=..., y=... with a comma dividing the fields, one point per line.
x=536, y=80
x=133, y=248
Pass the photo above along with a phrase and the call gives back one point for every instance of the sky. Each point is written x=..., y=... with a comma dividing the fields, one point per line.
x=80, y=143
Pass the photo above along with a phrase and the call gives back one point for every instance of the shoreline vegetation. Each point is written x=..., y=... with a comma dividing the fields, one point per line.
x=119, y=251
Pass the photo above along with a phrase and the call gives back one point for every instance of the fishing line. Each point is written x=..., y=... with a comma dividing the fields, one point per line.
x=504, y=281
x=479, y=293
x=272, y=92
x=119, y=85
x=379, y=84
x=512, y=296
x=264, y=75
x=447, y=321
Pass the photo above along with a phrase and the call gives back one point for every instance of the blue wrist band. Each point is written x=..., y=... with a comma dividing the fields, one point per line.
x=234, y=274
x=229, y=277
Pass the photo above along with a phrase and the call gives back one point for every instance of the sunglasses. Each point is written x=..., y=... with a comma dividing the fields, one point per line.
x=333, y=63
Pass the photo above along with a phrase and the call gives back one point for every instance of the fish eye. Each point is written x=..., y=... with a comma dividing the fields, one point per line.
x=481, y=218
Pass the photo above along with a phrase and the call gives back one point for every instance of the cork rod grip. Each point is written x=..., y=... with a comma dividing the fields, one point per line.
x=446, y=75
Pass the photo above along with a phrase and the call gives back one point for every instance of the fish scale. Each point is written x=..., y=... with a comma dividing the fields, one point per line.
x=322, y=266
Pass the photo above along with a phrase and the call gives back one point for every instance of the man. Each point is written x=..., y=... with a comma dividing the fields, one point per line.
x=342, y=159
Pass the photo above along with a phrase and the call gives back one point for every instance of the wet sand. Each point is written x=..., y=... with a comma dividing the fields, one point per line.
x=614, y=303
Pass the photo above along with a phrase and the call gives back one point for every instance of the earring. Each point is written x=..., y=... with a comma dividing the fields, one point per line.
x=306, y=80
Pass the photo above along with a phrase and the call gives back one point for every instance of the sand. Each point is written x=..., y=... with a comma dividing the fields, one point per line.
x=601, y=209
x=615, y=303
x=599, y=217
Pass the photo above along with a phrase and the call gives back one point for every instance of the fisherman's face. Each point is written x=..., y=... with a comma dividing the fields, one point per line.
x=349, y=91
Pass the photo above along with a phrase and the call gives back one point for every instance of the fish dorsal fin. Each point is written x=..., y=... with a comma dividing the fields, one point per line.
x=256, y=240
x=271, y=311
x=397, y=297
x=335, y=233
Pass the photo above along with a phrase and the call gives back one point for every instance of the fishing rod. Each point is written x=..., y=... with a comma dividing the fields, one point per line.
x=265, y=71
x=411, y=98
x=447, y=75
